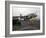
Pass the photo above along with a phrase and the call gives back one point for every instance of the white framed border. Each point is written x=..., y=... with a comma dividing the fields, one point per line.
x=30, y=31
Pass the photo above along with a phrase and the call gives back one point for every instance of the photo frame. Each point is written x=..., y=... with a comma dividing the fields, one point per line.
x=30, y=16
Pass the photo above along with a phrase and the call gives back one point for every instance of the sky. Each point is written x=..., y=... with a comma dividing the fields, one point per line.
x=17, y=10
